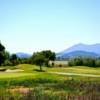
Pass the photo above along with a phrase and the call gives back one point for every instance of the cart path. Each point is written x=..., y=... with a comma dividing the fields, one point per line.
x=74, y=74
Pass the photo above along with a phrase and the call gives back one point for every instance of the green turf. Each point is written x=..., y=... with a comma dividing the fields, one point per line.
x=13, y=75
x=77, y=69
x=32, y=71
x=47, y=84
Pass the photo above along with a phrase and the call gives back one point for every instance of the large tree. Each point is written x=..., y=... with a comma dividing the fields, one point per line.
x=42, y=58
x=49, y=55
x=38, y=59
x=2, y=53
x=14, y=59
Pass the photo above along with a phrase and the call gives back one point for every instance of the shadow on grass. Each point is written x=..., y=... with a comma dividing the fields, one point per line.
x=37, y=70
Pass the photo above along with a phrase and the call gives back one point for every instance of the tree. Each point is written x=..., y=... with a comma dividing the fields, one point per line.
x=75, y=62
x=42, y=58
x=2, y=53
x=97, y=63
x=89, y=62
x=7, y=55
x=2, y=48
x=38, y=59
x=49, y=55
x=14, y=59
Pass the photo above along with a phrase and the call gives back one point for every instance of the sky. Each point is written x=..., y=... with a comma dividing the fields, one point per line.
x=34, y=25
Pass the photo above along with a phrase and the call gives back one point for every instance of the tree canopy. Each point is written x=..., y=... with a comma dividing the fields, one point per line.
x=2, y=53
x=42, y=58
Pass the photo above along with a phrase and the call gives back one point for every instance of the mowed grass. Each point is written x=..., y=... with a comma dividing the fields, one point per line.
x=13, y=75
x=77, y=70
x=32, y=71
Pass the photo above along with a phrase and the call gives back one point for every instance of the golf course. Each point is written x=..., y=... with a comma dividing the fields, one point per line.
x=51, y=82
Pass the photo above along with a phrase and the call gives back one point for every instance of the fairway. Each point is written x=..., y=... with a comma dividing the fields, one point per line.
x=77, y=70
x=4, y=75
x=33, y=71
x=81, y=73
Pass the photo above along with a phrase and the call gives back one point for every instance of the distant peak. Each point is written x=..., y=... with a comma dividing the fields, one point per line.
x=80, y=44
x=97, y=44
x=95, y=48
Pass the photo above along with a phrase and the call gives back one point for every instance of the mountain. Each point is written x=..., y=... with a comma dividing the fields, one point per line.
x=23, y=55
x=81, y=50
x=78, y=53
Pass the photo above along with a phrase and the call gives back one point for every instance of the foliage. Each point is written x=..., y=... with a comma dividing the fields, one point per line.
x=49, y=56
x=97, y=63
x=84, y=61
x=14, y=59
x=89, y=62
x=75, y=62
x=38, y=59
x=2, y=53
x=50, y=89
x=7, y=62
x=42, y=58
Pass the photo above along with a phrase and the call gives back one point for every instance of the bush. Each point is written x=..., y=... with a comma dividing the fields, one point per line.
x=75, y=61
x=89, y=62
x=84, y=61
x=97, y=63
x=7, y=63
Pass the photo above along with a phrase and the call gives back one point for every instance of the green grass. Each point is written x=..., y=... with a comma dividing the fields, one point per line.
x=13, y=75
x=77, y=69
x=30, y=70
x=49, y=86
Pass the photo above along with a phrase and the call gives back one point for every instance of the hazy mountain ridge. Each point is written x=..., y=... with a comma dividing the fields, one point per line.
x=23, y=55
x=79, y=53
x=81, y=50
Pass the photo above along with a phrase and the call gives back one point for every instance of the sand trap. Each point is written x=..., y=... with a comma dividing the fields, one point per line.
x=14, y=70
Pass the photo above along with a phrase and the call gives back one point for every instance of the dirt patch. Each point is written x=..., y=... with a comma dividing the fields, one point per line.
x=21, y=90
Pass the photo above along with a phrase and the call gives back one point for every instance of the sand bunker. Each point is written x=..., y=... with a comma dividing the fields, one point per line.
x=14, y=70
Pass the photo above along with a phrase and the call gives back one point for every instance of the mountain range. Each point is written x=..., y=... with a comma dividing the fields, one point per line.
x=80, y=50
x=74, y=51
x=23, y=55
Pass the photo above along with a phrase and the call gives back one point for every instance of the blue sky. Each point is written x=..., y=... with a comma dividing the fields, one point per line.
x=34, y=25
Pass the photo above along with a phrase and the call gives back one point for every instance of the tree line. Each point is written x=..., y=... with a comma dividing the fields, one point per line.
x=84, y=61
x=38, y=58
x=42, y=59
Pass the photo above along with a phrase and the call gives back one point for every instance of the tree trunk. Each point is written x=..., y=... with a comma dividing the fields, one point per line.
x=40, y=68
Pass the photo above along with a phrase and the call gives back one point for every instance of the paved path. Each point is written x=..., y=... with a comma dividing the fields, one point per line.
x=74, y=74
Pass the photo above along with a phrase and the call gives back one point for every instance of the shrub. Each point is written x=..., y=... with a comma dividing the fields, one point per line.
x=84, y=61
x=97, y=63
x=7, y=63
x=75, y=61
x=89, y=62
